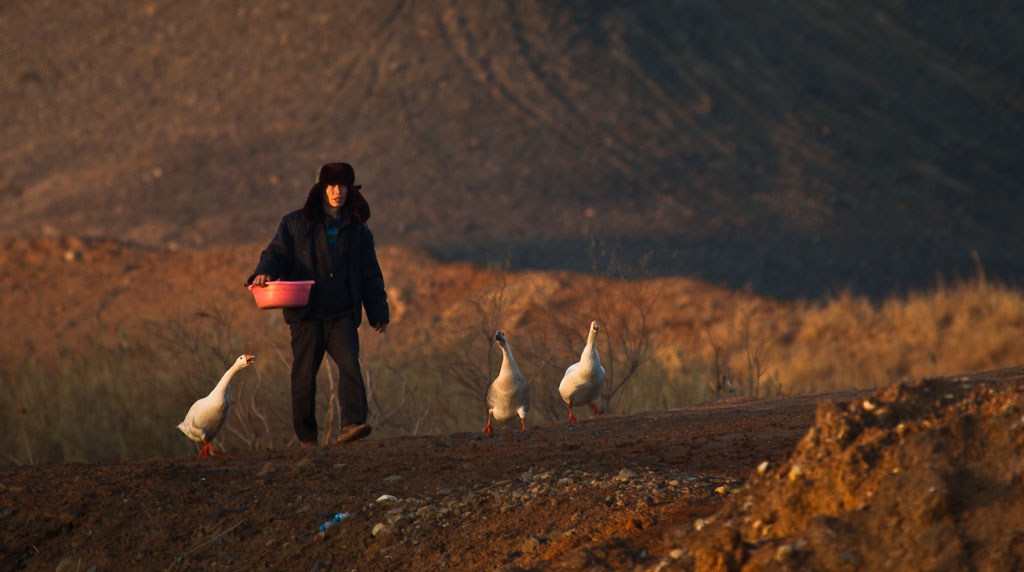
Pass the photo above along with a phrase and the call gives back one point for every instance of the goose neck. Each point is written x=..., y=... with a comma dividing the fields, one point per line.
x=225, y=379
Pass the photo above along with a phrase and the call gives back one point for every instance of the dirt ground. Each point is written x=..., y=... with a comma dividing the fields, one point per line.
x=615, y=484
x=923, y=476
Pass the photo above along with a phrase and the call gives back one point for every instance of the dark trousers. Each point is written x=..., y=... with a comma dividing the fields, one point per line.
x=339, y=339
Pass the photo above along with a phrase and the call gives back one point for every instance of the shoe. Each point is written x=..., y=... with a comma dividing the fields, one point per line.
x=309, y=444
x=354, y=432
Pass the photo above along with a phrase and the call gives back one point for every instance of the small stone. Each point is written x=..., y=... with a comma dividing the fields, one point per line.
x=69, y=564
x=402, y=522
x=625, y=475
x=530, y=545
x=852, y=558
x=784, y=553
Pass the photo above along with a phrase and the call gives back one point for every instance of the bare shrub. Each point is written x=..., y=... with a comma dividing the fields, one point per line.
x=757, y=349
x=464, y=359
x=199, y=346
x=738, y=342
x=401, y=398
x=623, y=303
x=629, y=344
x=721, y=382
x=721, y=378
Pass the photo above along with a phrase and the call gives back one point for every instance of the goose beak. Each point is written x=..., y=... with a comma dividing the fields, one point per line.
x=249, y=359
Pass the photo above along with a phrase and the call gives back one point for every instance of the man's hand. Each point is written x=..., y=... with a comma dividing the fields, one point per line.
x=260, y=280
x=381, y=328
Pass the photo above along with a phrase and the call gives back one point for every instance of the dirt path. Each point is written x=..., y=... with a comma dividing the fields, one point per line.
x=460, y=502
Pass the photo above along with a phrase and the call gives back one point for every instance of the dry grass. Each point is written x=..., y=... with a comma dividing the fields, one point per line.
x=661, y=342
x=849, y=342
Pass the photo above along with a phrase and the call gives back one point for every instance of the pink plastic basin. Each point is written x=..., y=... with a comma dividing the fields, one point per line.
x=282, y=294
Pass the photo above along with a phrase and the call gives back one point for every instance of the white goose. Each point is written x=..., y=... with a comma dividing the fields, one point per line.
x=509, y=393
x=207, y=415
x=583, y=380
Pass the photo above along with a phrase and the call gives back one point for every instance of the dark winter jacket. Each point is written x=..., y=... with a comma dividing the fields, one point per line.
x=347, y=282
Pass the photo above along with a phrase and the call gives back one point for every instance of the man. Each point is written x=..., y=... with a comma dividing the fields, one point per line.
x=327, y=241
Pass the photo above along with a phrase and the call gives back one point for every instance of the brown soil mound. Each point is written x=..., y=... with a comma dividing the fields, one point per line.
x=923, y=476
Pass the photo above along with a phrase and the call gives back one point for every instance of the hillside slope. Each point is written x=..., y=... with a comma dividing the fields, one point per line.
x=800, y=148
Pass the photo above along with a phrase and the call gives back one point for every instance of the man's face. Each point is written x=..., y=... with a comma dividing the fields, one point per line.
x=336, y=195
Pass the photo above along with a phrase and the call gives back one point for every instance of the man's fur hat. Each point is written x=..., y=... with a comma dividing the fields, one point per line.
x=336, y=174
